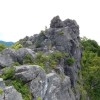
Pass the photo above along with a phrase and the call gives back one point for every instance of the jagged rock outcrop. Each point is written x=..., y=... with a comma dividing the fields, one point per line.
x=57, y=83
x=8, y=92
x=9, y=57
x=47, y=87
x=64, y=37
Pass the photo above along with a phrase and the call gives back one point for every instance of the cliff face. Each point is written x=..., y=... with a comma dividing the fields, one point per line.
x=60, y=58
x=62, y=36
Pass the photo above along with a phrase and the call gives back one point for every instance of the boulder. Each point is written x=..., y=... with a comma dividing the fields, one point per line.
x=29, y=72
x=23, y=52
x=8, y=57
x=8, y=92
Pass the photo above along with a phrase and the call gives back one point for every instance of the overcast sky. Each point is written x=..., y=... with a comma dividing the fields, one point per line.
x=19, y=18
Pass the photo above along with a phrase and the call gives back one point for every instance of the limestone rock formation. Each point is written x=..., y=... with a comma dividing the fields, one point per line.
x=8, y=93
x=47, y=87
x=58, y=82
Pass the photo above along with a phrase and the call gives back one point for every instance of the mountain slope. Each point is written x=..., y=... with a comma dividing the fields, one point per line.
x=6, y=43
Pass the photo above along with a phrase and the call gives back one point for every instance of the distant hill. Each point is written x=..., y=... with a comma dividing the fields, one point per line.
x=6, y=43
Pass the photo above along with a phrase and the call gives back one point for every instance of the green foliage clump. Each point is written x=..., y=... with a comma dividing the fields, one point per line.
x=17, y=46
x=51, y=59
x=18, y=84
x=89, y=45
x=16, y=64
x=61, y=33
x=8, y=73
x=2, y=47
x=70, y=61
x=1, y=91
x=83, y=92
x=39, y=98
x=91, y=68
x=41, y=60
x=23, y=89
x=28, y=59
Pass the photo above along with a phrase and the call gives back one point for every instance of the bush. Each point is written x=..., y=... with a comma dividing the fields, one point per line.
x=2, y=47
x=23, y=89
x=39, y=98
x=49, y=61
x=70, y=61
x=28, y=59
x=61, y=33
x=8, y=73
x=1, y=91
x=17, y=46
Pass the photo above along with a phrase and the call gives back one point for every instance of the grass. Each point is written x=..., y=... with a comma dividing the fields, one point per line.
x=23, y=89
x=1, y=91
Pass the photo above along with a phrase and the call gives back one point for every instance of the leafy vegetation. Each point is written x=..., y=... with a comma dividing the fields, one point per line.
x=23, y=89
x=39, y=98
x=17, y=46
x=2, y=47
x=70, y=61
x=61, y=33
x=28, y=59
x=91, y=68
x=8, y=73
x=18, y=84
x=1, y=91
x=50, y=60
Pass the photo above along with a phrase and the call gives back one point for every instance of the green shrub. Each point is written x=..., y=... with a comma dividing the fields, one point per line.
x=1, y=91
x=28, y=59
x=70, y=61
x=17, y=46
x=8, y=73
x=39, y=98
x=16, y=64
x=51, y=60
x=57, y=55
x=23, y=89
x=61, y=33
x=2, y=47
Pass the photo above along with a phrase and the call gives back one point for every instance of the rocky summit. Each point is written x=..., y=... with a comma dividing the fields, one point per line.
x=46, y=67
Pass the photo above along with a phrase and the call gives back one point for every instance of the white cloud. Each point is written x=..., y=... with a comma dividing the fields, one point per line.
x=19, y=18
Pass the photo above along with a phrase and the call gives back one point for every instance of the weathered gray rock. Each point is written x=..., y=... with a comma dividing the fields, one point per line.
x=2, y=84
x=47, y=87
x=62, y=36
x=23, y=52
x=58, y=88
x=9, y=93
x=29, y=72
x=56, y=22
x=72, y=24
x=8, y=57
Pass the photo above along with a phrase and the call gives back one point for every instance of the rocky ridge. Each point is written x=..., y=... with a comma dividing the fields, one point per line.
x=55, y=78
